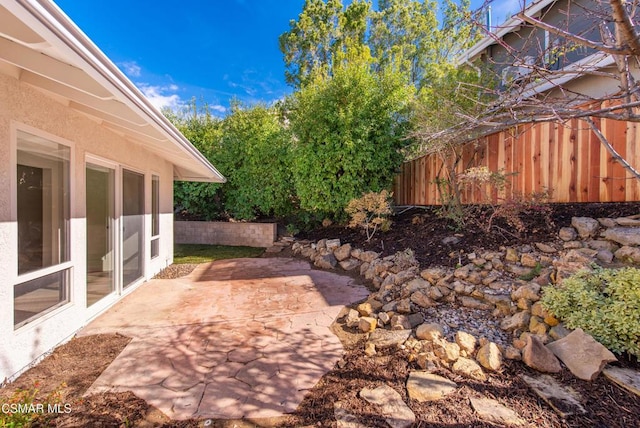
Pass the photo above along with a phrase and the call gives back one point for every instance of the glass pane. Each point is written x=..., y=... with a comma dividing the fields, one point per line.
x=155, y=247
x=39, y=296
x=133, y=226
x=100, y=232
x=155, y=205
x=42, y=203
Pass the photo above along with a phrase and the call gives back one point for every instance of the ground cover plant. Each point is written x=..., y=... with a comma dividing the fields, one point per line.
x=604, y=303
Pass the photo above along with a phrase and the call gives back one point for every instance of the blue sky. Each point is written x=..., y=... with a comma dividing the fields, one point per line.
x=213, y=50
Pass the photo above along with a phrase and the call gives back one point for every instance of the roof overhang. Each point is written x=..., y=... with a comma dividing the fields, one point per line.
x=42, y=47
x=512, y=24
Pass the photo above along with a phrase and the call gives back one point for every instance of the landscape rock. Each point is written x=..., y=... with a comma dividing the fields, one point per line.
x=332, y=244
x=628, y=254
x=529, y=291
x=430, y=331
x=558, y=332
x=382, y=338
x=349, y=264
x=518, y=321
x=343, y=252
x=469, y=368
x=367, y=324
x=352, y=319
x=626, y=378
x=466, y=341
x=585, y=226
x=326, y=261
x=623, y=235
x=447, y=351
x=538, y=357
x=492, y=411
x=567, y=234
x=390, y=404
x=546, y=248
x=628, y=221
x=490, y=357
x=565, y=401
x=344, y=418
x=605, y=256
x=422, y=300
x=470, y=302
x=582, y=354
x=425, y=386
x=367, y=256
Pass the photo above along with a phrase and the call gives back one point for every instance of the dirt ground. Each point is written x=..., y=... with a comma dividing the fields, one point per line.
x=74, y=366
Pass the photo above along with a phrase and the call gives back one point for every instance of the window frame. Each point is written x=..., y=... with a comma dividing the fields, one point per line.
x=69, y=265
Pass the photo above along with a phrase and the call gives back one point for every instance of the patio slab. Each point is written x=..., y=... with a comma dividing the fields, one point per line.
x=241, y=338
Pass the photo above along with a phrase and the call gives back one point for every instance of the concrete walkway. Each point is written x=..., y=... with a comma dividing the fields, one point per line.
x=242, y=338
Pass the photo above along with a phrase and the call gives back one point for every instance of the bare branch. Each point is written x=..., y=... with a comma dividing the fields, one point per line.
x=574, y=37
x=610, y=148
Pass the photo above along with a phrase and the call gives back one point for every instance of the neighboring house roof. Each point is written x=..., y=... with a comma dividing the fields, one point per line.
x=42, y=47
x=571, y=71
x=510, y=25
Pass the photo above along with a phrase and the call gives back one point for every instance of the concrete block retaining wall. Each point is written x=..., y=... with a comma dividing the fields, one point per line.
x=223, y=233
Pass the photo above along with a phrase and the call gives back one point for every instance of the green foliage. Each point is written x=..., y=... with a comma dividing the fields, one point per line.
x=200, y=253
x=349, y=130
x=324, y=30
x=406, y=36
x=604, y=303
x=255, y=158
x=250, y=147
x=370, y=212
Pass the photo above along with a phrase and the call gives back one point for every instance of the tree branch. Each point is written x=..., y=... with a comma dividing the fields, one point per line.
x=610, y=148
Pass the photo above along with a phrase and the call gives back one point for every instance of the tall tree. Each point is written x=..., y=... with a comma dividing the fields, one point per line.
x=406, y=36
x=322, y=31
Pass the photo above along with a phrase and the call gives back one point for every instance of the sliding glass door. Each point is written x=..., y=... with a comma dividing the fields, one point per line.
x=132, y=227
x=101, y=256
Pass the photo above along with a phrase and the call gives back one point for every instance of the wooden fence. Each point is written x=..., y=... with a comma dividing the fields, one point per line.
x=567, y=160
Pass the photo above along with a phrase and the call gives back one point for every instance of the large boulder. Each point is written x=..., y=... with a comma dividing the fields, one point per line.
x=391, y=405
x=582, y=354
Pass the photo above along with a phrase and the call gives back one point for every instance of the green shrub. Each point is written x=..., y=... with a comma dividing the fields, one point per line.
x=604, y=303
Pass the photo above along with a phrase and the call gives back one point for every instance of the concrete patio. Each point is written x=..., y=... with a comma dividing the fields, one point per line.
x=242, y=338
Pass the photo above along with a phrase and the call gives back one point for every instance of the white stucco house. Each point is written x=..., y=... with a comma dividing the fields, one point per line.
x=87, y=167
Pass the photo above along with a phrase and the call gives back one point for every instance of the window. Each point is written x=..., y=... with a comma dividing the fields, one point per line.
x=155, y=216
x=43, y=215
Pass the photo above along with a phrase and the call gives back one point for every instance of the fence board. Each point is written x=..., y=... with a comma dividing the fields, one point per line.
x=569, y=161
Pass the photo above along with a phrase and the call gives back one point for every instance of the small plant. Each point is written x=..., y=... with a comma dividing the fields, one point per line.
x=534, y=272
x=371, y=212
x=292, y=229
x=604, y=303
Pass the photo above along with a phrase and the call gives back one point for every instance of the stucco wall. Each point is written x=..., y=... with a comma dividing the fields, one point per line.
x=22, y=107
x=223, y=233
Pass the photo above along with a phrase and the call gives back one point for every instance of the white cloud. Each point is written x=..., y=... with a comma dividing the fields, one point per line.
x=160, y=96
x=131, y=69
x=219, y=108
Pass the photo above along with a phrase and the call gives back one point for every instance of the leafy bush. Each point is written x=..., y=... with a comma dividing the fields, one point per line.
x=349, y=130
x=604, y=303
x=370, y=212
